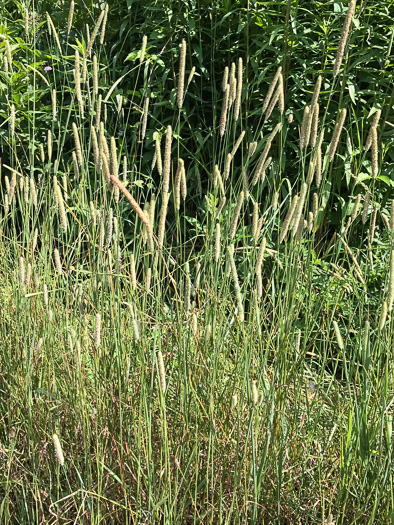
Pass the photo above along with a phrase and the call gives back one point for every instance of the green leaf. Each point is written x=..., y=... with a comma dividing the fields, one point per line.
x=352, y=93
x=363, y=176
x=132, y=56
x=42, y=391
x=194, y=222
x=385, y=179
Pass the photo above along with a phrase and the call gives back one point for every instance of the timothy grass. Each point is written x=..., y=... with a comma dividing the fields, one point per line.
x=187, y=341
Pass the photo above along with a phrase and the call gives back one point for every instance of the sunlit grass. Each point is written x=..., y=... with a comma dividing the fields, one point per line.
x=229, y=365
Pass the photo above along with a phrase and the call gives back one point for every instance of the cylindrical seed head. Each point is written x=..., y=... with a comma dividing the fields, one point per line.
x=162, y=371
x=58, y=450
x=181, y=77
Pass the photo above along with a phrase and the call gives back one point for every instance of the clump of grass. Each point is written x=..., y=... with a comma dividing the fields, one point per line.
x=122, y=270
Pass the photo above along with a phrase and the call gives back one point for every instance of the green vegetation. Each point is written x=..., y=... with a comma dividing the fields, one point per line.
x=197, y=262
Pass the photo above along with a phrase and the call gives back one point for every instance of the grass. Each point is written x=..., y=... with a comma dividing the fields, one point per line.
x=194, y=369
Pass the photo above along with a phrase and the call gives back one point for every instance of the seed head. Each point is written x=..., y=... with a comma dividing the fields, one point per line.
x=145, y=117
x=217, y=242
x=104, y=25
x=191, y=75
x=58, y=264
x=26, y=22
x=45, y=294
x=54, y=108
x=245, y=182
x=159, y=163
x=344, y=36
x=238, y=97
x=260, y=256
x=34, y=241
x=143, y=48
x=60, y=203
x=233, y=85
x=221, y=206
x=162, y=371
x=70, y=17
x=338, y=335
x=94, y=33
x=367, y=200
x=183, y=183
x=225, y=105
x=95, y=75
x=113, y=166
x=318, y=167
x=162, y=219
x=271, y=89
x=310, y=221
x=305, y=128
x=33, y=192
x=237, y=288
x=315, y=124
x=177, y=184
x=355, y=207
x=181, y=78
x=186, y=302
x=167, y=161
x=315, y=204
x=383, y=316
x=374, y=124
x=252, y=149
x=259, y=285
x=77, y=143
x=316, y=92
x=225, y=79
x=299, y=209
x=336, y=135
x=375, y=154
x=234, y=402
x=238, y=143
x=259, y=226
x=208, y=334
x=234, y=222
x=58, y=449
x=288, y=218
x=272, y=104
x=98, y=111
x=255, y=218
x=110, y=224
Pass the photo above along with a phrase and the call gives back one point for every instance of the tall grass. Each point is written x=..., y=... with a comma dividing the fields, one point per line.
x=157, y=366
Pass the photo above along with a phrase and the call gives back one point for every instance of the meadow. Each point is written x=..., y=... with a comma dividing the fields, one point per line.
x=196, y=262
